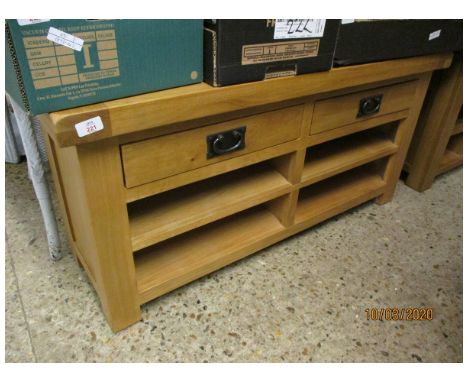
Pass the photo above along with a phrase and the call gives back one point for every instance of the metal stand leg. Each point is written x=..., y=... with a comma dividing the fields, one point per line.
x=37, y=175
x=12, y=154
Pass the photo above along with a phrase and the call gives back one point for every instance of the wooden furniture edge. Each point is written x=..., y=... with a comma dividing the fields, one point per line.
x=100, y=159
x=435, y=128
x=202, y=100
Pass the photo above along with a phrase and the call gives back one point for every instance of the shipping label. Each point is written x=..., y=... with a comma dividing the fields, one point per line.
x=53, y=64
x=279, y=51
x=65, y=39
x=299, y=28
x=23, y=22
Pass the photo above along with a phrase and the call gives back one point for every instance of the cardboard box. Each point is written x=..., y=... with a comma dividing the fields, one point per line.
x=117, y=58
x=238, y=51
x=362, y=41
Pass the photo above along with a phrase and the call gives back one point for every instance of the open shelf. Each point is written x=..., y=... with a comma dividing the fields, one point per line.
x=453, y=155
x=339, y=193
x=171, y=213
x=449, y=161
x=455, y=144
x=331, y=158
x=177, y=261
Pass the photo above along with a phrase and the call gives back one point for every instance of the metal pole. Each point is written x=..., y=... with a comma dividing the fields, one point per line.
x=37, y=175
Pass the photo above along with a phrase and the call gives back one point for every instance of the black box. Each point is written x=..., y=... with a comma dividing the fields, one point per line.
x=238, y=51
x=374, y=40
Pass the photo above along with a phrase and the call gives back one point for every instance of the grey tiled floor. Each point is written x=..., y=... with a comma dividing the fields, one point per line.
x=301, y=300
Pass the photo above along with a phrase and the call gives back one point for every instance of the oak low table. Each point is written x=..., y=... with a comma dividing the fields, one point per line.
x=437, y=144
x=182, y=182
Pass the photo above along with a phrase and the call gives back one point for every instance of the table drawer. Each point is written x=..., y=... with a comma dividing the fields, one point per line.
x=343, y=110
x=172, y=154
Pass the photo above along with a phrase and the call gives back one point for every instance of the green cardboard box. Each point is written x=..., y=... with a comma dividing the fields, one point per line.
x=59, y=64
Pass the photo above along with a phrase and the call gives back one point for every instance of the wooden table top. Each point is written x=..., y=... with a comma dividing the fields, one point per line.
x=171, y=106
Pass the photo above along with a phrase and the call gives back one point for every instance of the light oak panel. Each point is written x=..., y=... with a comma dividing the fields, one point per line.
x=355, y=127
x=340, y=155
x=108, y=227
x=174, y=212
x=176, y=262
x=335, y=195
x=296, y=162
x=435, y=126
x=449, y=161
x=340, y=111
x=403, y=137
x=172, y=154
x=453, y=155
x=283, y=208
x=205, y=172
x=66, y=172
x=173, y=263
x=205, y=238
x=138, y=113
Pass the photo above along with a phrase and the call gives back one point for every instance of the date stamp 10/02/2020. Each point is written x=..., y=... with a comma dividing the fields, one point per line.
x=399, y=314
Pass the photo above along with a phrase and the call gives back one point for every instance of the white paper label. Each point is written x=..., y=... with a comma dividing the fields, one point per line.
x=434, y=34
x=65, y=39
x=89, y=126
x=299, y=28
x=23, y=22
x=347, y=21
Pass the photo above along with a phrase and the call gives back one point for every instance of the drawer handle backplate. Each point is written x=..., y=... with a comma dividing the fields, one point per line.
x=225, y=142
x=369, y=105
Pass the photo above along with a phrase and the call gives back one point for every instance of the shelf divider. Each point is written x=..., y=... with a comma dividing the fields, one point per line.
x=175, y=262
x=331, y=158
x=450, y=160
x=177, y=211
x=335, y=195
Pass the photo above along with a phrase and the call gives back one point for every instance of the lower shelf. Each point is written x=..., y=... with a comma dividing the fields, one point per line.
x=450, y=161
x=453, y=155
x=171, y=213
x=335, y=195
x=175, y=262
x=339, y=155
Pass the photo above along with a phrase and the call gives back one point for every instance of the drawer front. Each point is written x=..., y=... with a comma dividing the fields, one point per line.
x=343, y=110
x=172, y=154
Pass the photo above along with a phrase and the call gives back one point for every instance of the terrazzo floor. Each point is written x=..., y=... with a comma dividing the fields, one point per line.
x=302, y=300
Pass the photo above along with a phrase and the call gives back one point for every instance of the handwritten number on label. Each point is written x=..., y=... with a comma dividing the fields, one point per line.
x=305, y=26
x=91, y=127
x=295, y=26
